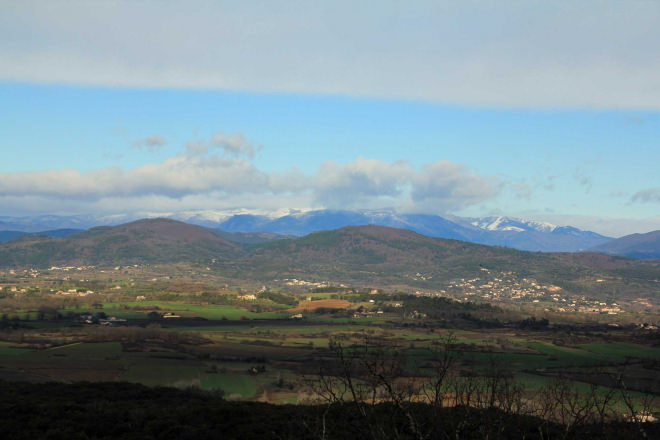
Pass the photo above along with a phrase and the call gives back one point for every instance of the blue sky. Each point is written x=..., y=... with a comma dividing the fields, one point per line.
x=100, y=118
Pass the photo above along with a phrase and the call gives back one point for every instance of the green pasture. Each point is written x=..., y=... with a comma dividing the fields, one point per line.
x=231, y=346
x=209, y=311
x=11, y=349
x=567, y=355
x=74, y=352
x=128, y=310
x=619, y=351
x=181, y=370
x=240, y=384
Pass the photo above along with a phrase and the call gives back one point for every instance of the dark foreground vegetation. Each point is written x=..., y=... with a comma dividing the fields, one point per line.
x=131, y=411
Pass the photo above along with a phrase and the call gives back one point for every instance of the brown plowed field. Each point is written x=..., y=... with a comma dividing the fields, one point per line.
x=308, y=306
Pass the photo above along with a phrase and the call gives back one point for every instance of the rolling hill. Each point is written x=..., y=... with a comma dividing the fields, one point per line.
x=142, y=241
x=496, y=230
x=363, y=255
x=384, y=256
x=250, y=237
x=376, y=252
x=10, y=235
x=643, y=246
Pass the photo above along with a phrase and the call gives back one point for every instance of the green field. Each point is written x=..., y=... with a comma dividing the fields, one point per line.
x=263, y=355
x=621, y=351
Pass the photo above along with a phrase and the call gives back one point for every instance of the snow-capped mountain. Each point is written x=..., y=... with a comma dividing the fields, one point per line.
x=500, y=230
x=500, y=223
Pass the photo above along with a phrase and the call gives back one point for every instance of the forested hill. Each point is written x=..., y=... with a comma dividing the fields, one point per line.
x=374, y=255
x=634, y=246
x=389, y=256
x=142, y=241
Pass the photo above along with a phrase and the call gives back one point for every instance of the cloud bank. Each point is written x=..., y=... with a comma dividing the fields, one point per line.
x=217, y=172
x=590, y=53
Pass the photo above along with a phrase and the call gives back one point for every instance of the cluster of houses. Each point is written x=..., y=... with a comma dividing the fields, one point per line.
x=366, y=313
x=505, y=286
x=296, y=282
x=75, y=292
x=70, y=268
x=88, y=318
x=502, y=286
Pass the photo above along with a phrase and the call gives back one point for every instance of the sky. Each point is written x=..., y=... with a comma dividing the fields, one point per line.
x=541, y=110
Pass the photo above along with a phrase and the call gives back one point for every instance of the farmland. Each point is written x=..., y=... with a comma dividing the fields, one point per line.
x=195, y=333
x=188, y=328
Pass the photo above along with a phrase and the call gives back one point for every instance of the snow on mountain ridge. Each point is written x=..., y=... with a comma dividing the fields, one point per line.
x=511, y=228
x=218, y=216
x=501, y=223
x=494, y=230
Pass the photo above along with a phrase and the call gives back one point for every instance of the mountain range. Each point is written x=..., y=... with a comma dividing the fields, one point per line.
x=371, y=255
x=498, y=231
x=633, y=246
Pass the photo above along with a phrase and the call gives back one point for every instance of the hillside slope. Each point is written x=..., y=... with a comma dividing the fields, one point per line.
x=250, y=237
x=10, y=235
x=381, y=255
x=643, y=246
x=495, y=230
x=143, y=241
x=359, y=255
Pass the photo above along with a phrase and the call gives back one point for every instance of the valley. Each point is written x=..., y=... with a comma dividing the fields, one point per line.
x=161, y=303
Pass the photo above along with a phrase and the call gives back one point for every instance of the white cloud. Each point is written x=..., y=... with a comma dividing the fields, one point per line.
x=151, y=143
x=174, y=177
x=196, y=148
x=354, y=184
x=438, y=187
x=445, y=186
x=204, y=177
x=234, y=144
x=140, y=206
x=533, y=54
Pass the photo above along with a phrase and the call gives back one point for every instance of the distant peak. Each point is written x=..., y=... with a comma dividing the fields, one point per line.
x=501, y=223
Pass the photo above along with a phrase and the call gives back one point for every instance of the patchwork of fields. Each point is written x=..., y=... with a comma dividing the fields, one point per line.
x=268, y=357
x=179, y=327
